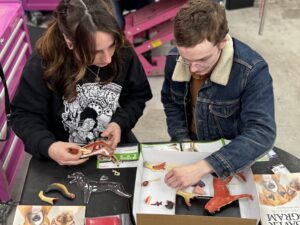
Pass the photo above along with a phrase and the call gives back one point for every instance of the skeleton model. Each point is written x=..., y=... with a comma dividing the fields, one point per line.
x=88, y=186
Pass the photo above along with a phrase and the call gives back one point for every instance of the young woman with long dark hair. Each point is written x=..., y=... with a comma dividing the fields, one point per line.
x=84, y=81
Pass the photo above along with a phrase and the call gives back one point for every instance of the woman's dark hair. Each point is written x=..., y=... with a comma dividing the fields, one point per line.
x=78, y=20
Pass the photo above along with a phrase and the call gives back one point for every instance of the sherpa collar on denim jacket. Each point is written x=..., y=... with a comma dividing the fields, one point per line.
x=221, y=72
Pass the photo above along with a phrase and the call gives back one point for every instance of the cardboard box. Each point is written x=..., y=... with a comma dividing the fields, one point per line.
x=159, y=191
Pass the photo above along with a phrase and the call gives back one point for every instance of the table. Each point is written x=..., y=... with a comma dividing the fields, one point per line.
x=291, y=162
x=42, y=173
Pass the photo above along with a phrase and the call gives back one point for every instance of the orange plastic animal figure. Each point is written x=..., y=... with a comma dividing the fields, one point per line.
x=96, y=148
x=222, y=195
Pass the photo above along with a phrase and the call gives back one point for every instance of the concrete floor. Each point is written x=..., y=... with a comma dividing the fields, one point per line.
x=279, y=45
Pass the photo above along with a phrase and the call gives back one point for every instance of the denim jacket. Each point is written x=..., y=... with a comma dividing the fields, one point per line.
x=236, y=103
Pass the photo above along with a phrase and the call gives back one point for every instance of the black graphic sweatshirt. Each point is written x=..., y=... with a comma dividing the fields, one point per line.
x=41, y=116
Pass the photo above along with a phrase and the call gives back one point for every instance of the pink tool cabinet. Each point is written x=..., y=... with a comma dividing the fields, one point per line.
x=14, y=50
x=156, y=21
x=40, y=5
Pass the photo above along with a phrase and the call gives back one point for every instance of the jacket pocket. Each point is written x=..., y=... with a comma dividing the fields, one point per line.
x=225, y=115
x=177, y=93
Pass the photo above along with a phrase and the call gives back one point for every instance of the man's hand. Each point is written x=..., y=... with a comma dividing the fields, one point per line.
x=65, y=153
x=113, y=133
x=185, y=176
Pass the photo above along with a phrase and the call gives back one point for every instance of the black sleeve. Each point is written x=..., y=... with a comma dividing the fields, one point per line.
x=135, y=93
x=30, y=108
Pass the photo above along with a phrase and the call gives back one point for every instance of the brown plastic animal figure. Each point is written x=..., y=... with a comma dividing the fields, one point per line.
x=222, y=195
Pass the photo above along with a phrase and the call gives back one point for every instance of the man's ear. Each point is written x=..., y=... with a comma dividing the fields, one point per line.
x=223, y=42
x=68, y=41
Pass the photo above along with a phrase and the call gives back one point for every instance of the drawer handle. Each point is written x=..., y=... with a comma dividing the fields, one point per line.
x=13, y=53
x=16, y=66
x=12, y=36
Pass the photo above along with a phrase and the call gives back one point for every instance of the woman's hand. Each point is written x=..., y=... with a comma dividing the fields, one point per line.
x=185, y=176
x=113, y=133
x=65, y=153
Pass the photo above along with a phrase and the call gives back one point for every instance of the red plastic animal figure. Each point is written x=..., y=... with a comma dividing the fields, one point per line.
x=222, y=195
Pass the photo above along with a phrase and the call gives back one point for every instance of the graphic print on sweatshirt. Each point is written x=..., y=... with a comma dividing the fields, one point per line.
x=91, y=111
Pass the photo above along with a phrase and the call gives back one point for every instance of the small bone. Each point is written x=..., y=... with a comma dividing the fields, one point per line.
x=146, y=182
x=199, y=190
x=169, y=204
x=187, y=196
x=116, y=173
x=147, y=200
x=157, y=167
x=157, y=203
